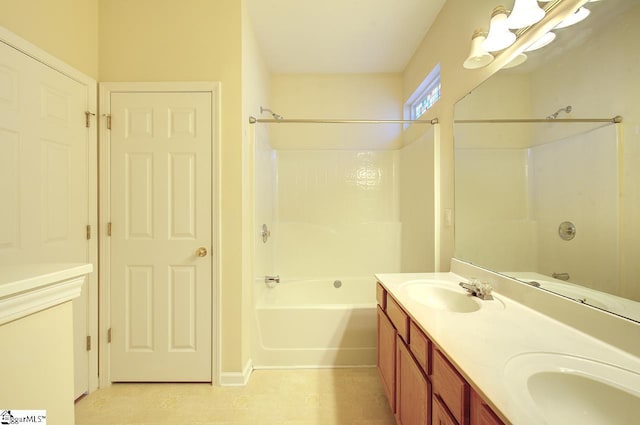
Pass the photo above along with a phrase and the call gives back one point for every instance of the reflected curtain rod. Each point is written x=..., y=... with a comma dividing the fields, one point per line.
x=254, y=120
x=615, y=120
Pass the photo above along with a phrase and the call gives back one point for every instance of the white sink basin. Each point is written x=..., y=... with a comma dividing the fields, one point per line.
x=446, y=296
x=443, y=298
x=562, y=389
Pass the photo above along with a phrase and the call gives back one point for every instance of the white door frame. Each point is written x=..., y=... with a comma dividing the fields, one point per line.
x=91, y=283
x=105, y=207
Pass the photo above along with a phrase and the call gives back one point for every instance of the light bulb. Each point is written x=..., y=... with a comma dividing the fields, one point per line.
x=478, y=57
x=524, y=14
x=499, y=35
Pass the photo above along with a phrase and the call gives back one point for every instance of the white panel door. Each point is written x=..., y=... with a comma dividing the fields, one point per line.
x=44, y=173
x=161, y=219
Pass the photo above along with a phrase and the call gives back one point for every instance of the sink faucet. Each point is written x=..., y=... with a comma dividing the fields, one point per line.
x=478, y=289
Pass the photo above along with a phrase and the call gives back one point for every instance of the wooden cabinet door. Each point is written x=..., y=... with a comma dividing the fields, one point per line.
x=481, y=413
x=451, y=388
x=387, y=357
x=440, y=414
x=413, y=395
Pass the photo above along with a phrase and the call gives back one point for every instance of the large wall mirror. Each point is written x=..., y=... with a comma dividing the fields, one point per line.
x=556, y=204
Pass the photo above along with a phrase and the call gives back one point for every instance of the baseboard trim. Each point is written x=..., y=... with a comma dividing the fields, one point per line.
x=237, y=379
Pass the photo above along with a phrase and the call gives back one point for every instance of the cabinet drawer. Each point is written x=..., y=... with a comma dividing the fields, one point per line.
x=440, y=414
x=451, y=387
x=420, y=347
x=381, y=296
x=398, y=317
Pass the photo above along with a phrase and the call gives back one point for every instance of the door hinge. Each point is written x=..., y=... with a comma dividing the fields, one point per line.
x=87, y=118
x=109, y=335
x=88, y=342
x=108, y=118
x=109, y=229
x=88, y=231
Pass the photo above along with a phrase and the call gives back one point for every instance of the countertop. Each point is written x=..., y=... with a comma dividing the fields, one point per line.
x=29, y=288
x=481, y=343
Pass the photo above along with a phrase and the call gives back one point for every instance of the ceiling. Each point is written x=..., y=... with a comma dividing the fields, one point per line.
x=340, y=36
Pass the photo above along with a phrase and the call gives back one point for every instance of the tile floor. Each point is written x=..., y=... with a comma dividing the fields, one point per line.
x=352, y=396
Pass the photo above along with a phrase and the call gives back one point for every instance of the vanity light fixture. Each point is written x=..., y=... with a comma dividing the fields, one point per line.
x=524, y=14
x=518, y=60
x=499, y=35
x=541, y=42
x=580, y=15
x=478, y=57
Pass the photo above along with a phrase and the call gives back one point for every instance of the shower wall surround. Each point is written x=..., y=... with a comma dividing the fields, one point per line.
x=343, y=202
x=518, y=197
x=264, y=202
x=588, y=196
x=337, y=213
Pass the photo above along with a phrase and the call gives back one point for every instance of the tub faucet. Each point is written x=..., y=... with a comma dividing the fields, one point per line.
x=561, y=276
x=478, y=289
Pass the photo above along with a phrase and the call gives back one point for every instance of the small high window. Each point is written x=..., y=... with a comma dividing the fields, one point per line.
x=427, y=94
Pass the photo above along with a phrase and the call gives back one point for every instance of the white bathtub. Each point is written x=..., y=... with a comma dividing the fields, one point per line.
x=311, y=323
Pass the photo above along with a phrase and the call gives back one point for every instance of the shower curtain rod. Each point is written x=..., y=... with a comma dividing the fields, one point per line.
x=254, y=120
x=615, y=120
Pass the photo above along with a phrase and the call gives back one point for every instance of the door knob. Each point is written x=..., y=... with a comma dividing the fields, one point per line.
x=201, y=252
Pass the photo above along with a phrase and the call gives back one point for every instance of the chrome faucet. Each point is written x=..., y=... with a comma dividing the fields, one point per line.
x=561, y=276
x=478, y=289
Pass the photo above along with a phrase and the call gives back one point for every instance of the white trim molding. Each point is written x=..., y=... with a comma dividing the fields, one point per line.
x=28, y=289
x=237, y=379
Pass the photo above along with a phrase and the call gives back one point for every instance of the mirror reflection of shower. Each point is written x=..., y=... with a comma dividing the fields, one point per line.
x=273, y=114
x=566, y=110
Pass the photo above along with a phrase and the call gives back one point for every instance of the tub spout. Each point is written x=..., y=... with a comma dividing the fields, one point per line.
x=561, y=276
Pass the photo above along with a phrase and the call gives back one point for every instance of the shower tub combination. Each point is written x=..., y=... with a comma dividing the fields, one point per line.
x=316, y=323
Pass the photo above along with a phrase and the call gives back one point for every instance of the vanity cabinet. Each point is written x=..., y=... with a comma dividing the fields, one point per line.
x=481, y=413
x=423, y=387
x=413, y=390
x=450, y=388
x=387, y=357
x=401, y=364
x=441, y=415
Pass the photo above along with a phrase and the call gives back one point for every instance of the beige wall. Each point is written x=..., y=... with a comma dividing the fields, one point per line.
x=491, y=192
x=192, y=40
x=67, y=29
x=416, y=204
x=344, y=96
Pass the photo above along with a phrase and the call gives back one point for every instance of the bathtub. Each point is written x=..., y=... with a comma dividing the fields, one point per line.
x=313, y=323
